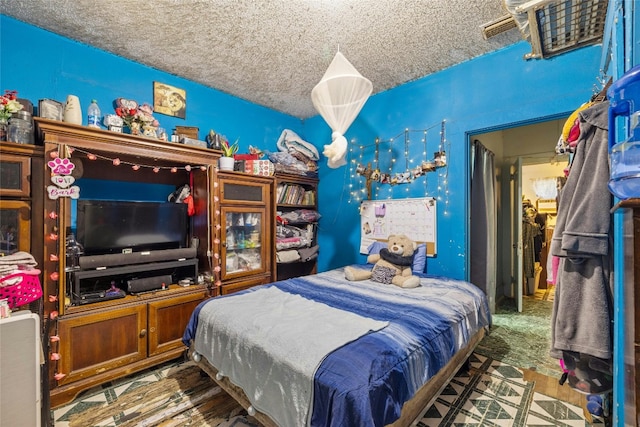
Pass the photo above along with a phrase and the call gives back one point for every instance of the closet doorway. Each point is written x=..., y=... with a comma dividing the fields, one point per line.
x=524, y=158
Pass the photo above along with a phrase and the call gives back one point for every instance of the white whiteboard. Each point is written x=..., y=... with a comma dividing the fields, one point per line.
x=414, y=217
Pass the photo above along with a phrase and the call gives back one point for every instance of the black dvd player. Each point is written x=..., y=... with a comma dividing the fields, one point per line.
x=98, y=296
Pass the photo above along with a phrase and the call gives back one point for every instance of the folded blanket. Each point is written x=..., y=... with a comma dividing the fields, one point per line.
x=290, y=141
x=15, y=261
x=287, y=256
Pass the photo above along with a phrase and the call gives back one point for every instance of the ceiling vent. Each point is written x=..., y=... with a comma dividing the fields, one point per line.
x=500, y=25
x=556, y=27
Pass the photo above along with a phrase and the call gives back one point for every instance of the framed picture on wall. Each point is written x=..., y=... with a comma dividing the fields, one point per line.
x=169, y=100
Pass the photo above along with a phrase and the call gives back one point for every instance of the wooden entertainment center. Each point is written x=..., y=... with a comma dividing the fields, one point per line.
x=90, y=344
x=91, y=336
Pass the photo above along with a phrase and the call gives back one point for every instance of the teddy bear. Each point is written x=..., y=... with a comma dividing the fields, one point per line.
x=391, y=266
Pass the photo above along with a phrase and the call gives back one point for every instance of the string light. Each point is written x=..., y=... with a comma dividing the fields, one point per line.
x=443, y=175
x=413, y=168
x=135, y=166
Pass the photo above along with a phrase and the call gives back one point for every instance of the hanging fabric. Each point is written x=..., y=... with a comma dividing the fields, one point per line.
x=583, y=305
x=482, y=244
x=339, y=97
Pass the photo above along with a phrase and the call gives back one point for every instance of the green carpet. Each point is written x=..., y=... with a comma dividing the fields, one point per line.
x=522, y=339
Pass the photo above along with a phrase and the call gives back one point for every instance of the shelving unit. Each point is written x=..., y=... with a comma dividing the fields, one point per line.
x=246, y=213
x=296, y=193
x=101, y=278
x=100, y=341
x=20, y=185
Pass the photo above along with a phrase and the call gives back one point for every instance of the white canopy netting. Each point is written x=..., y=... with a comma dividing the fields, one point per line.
x=339, y=97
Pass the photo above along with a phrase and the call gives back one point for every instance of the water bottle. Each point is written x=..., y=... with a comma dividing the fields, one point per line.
x=93, y=115
x=624, y=95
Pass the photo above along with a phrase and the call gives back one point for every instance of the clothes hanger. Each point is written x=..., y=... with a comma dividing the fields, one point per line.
x=602, y=94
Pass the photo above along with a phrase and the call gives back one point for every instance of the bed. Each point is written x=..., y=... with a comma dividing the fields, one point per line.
x=322, y=351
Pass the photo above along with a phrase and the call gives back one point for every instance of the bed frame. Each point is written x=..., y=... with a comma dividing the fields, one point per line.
x=412, y=410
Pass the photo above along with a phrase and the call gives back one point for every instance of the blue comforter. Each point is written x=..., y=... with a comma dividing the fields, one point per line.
x=366, y=382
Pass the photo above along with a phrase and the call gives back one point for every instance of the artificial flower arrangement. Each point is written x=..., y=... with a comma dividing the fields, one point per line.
x=9, y=104
x=138, y=118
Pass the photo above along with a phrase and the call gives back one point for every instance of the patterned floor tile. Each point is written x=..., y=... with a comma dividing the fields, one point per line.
x=489, y=394
x=497, y=395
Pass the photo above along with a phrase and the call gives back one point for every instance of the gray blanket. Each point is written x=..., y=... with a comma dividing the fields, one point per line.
x=271, y=342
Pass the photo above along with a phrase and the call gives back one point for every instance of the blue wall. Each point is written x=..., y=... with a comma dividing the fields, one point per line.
x=491, y=91
x=487, y=92
x=40, y=64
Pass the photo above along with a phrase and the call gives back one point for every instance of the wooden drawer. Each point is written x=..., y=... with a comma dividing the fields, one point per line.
x=244, y=284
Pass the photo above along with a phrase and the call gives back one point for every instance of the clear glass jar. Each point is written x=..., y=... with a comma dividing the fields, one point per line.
x=20, y=128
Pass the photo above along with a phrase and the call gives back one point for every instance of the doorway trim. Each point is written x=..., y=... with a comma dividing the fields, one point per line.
x=469, y=136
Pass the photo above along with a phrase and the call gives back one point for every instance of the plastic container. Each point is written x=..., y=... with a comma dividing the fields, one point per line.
x=93, y=114
x=21, y=288
x=624, y=97
x=625, y=164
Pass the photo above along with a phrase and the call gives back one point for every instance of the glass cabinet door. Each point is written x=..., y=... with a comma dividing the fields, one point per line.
x=15, y=218
x=243, y=249
x=14, y=176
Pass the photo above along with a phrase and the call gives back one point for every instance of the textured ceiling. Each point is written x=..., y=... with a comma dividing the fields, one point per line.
x=273, y=52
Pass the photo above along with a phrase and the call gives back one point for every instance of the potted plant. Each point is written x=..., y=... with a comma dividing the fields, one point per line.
x=227, y=161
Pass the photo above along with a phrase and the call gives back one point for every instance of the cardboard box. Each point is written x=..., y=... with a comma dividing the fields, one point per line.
x=187, y=131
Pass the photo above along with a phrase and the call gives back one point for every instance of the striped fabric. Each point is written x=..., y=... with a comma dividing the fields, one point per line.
x=366, y=382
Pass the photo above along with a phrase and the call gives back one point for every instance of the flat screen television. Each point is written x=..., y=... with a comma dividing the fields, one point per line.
x=110, y=227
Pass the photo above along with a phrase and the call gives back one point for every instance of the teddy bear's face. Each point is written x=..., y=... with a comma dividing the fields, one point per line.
x=401, y=245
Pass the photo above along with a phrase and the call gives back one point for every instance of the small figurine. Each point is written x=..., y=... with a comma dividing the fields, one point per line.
x=213, y=140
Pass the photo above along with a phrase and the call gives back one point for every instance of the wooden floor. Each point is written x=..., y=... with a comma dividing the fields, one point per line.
x=549, y=386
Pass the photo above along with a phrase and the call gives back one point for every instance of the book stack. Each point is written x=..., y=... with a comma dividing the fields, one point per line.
x=293, y=194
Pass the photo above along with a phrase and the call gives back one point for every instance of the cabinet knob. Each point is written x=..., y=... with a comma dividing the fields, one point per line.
x=143, y=333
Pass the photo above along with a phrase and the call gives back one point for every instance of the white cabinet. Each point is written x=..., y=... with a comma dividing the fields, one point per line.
x=20, y=355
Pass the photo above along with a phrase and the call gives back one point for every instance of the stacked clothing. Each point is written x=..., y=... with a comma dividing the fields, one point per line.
x=295, y=155
x=295, y=236
x=9, y=264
